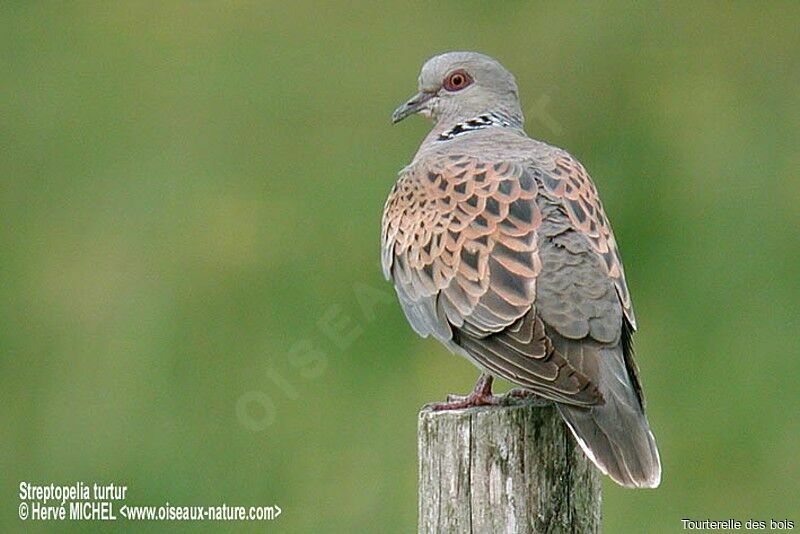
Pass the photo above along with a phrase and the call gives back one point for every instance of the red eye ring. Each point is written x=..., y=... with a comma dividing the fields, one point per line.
x=457, y=80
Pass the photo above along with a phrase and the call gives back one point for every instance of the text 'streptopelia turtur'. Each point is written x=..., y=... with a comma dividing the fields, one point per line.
x=499, y=247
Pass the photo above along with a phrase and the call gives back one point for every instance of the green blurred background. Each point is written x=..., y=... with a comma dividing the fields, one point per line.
x=191, y=195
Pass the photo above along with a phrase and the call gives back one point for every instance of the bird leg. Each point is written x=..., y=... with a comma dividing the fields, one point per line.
x=481, y=396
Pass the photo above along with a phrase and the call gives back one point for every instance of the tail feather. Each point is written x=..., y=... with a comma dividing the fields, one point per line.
x=615, y=435
x=618, y=441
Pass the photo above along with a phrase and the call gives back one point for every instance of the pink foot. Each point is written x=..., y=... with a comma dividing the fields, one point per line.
x=480, y=396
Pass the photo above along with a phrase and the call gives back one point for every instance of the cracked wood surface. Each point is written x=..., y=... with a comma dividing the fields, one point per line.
x=513, y=469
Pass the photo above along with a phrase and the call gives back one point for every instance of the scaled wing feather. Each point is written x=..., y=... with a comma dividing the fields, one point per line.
x=460, y=241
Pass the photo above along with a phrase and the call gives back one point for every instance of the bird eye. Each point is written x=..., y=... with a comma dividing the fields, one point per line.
x=457, y=80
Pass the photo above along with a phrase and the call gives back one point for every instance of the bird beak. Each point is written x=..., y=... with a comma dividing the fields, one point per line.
x=414, y=105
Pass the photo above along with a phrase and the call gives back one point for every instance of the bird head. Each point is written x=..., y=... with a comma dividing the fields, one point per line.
x=460, y=85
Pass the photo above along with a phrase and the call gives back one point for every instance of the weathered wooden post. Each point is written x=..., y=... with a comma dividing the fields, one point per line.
x=511, y=469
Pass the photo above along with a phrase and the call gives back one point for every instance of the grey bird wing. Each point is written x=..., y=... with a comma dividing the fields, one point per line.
x=565, y=180
x=584, y=302
x=460, y=240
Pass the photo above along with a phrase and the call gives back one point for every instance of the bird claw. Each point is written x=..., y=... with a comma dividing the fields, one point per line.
x=480, y=396
x=521, y=393
x=460, y=402
x=526, y=395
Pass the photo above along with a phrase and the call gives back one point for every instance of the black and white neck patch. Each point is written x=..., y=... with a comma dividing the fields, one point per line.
x=477, y=123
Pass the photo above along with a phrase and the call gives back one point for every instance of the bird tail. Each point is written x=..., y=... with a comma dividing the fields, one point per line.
x=615, y=435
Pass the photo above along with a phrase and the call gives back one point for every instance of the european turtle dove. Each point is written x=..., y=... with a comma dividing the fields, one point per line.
x=499, y=247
